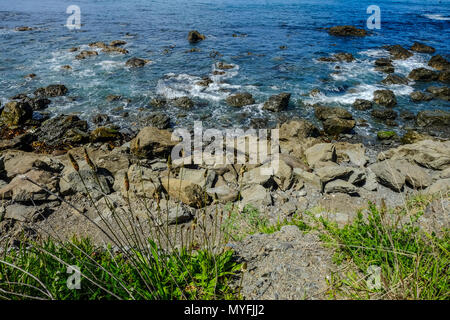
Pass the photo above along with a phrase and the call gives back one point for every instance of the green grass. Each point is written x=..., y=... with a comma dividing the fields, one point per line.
x=414, y=264
x=39, y=271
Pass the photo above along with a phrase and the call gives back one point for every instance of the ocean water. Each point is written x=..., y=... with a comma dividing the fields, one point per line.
x=157, y=30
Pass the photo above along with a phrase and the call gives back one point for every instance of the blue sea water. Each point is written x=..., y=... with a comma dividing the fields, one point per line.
x=157, y=30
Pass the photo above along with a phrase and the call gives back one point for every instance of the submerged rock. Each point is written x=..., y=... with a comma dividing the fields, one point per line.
x=438, y=62
x=86, y=54
x=347, y=31
x=362, y=104
x=398, y=52
x=384, y=65
x=136, y=62
x=440, y=92
x=183, y=102
x=418, y=96
x=395, y=79
x=277, y=102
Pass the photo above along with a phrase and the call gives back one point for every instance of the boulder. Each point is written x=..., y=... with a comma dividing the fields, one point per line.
x=104, y=134
x=240, y=99
x=322, y=152
x=427, y=153
x=422, y=48
x=194, y=36
x=362, y=105
x=63, y=129
x=418, y=96
x=343, y=56
x=440, y=92
x=412, y=136
x=257, y=176
x=384, y=114
x=395, y=79
x=152, y=142
x=298, y=129
x=388, y=175
x=136, y=62
x=168, y=212
x=16, y=113
x=333, y=172
x=429, y=118
x=143, y=182
x=384, y=65
x=158, y=120
x=352, y=153
x=440, y=187
x=423, y=74
x=340, y=186
x=183, y=102
x=347, y=31
x=223, y=193
x=203, y=177
x=335, y=120
x=386, y=135
x=438, y=62
x=398, y=52
x=116, y=43
x=415, y=176
x=444, y=76
x=256, y=196
x=54, y=90
x=187, y=192
x=86, y=54
x=323, y=112
x=277, y=102
x=385, y=98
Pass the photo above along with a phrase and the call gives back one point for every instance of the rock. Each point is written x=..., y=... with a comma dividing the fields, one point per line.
x=98, y=44
x=440, y=187
x=395, y=79
x=23, y=29
x=353, y=153
x=322, y=152
x=423, y=74
x=86, y=181
x=63, y=129
x=103, y=134
x=143, y=182
x=113, y=97
x=194, y=36
x=444, y=76
x=113, y=49
x=283, y=175
x=255, y=195
x=54, y=90
x=298, y=128
x=158, y=120
x=204, y=178
x=21, y=190
x=183, y=102
x=100, y=118
x=16, y=113
x=398, y=52
x=371, y=180
x=116, y=43
x=429, y=118
x=386, y=135
x=335, y=120
x=38, y=103
x=387, y=174
x=86, y=54
x=415, y=176
x=19, y=162
x=240, y=99
x=223, y=193
x=440, y=92
x=427, y=153
x=343, y=56
x=224, y=66
x=438, y=62
x=307, y=177
x=136, y=62
x=158, y=102
x=257, y=176
x=152, y=142
x=340, y=186
x=418, y=96
x=362, y=105
x=205, y=82
x=412, y=136
x=422, y=48
x=358, y=177
x=169, y=212
x=347, y=31
x=187, y=192
x=333, y=172
x=24, y=213
x=385, y=98
x=19, y=142
x=384, y=65
x=384, y=114
x=277, y=102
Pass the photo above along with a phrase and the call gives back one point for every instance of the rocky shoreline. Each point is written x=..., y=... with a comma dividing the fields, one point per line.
x=327, y=168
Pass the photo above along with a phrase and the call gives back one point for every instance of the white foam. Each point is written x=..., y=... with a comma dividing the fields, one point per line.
x=404, y=67
x=438, y=17
x=376, y=53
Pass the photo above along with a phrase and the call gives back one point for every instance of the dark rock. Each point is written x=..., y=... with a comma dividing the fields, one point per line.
x=422, y=48
x=347, y=31
x=183, y=102
x=438, y=62
x=63, y=129
x=224, y=66
x=113, y=97
x=418, y=96
x=100, y=118
x=384, y=114
x=429, y=118
x=335, y=120
x=116, y=43
x=277, y=102
x=440, y=92
x=98, y=44
x=394, y=79
x=194, y=36
x=343, y=56
x=385, y=98
x=423, y=74
x=86, y=54
x=361, y=104
x=444, y=76
x=258, y=123
x=398, y=52
x=323, y=112
x=158, y=102
x=384, y=65
x=158, y=120
x=136, y=62
x=407, y=115
x=16, y=113
x=23, y=29
x=54, y=90
x=103, y=134
x=240, y=99
x=205, y=82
